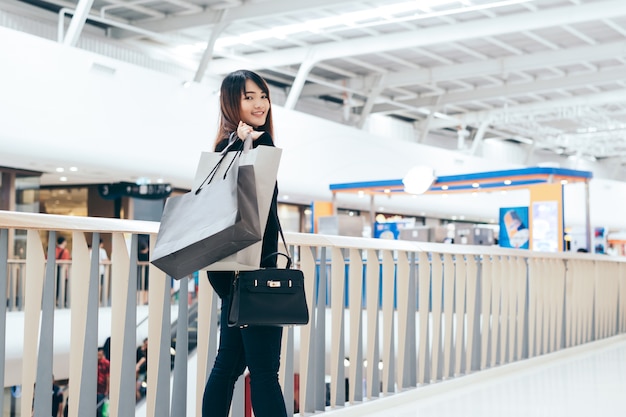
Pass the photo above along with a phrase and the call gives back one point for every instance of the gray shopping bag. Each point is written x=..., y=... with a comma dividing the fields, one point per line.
x=265, y=161
x=211, y=222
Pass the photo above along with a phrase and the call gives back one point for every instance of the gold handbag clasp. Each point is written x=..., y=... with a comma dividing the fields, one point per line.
x=273, y=284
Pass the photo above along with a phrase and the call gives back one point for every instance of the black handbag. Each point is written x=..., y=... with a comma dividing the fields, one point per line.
x=269, y=296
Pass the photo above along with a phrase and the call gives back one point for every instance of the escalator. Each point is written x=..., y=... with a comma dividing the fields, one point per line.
x=191, y=337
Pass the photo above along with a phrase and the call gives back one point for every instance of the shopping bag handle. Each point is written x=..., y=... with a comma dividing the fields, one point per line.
x=247, y=145
x=232, y=139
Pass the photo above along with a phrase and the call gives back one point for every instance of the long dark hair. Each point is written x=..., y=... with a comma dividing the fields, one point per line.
x=233, y=88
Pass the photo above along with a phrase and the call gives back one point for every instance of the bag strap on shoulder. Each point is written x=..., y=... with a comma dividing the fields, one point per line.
x=282, y=236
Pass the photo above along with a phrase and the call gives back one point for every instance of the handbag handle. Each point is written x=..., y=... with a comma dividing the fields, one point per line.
x=289, y=261
x=247, y=145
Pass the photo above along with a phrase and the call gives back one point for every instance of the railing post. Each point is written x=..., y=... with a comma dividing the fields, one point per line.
x=286, y=369
x=43, y=386
x=496, y=313
x=388, y=353
x=507, y=326
x=35, y=274
x=356, y=325
x=486, y=283
x=404, y=313
x=4, y=255
x=84, y=316
x=373, y=326
x=423, y=360
x=476, y=278
x=449, y=286
x=320, y=335
x=436, y=312
x=308, y=334
x=123, y=333
x=208, y=318
x=179, y=383
x=460, y=309
x=525, y=353
x=411, y=349
x=337, y=323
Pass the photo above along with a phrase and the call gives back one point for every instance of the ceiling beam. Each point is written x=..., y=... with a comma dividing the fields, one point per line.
x=436, y=35
x=501, y=66
x=212, y=16
x=508, y=90
x=501, y=115
x=78, y=22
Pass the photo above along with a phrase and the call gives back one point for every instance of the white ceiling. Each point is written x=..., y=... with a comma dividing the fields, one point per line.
x=548, y=74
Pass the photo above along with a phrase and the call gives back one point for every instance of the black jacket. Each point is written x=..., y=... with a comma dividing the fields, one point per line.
x=222, y=281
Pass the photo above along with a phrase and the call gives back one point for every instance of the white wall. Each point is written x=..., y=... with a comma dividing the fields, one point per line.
x=67, y=107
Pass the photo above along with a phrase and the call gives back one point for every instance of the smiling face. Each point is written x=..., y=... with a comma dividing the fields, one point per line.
x=244, y=97
x=255, y=105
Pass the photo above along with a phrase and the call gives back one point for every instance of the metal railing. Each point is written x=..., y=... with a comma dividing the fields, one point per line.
x=63, y=279
x=386, y=316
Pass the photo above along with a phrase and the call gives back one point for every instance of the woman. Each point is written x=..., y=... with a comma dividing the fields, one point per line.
x=246, y=110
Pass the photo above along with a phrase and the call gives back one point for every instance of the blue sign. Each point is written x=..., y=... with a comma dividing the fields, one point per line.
x=514, y=231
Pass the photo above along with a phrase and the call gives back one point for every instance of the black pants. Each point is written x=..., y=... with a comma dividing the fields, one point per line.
x=258, y=348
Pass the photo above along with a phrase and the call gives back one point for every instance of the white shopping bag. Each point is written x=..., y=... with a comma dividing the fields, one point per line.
x=265, y=160
x=210, y=223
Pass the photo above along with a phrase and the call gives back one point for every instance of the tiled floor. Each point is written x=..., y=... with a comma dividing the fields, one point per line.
x=586, y=381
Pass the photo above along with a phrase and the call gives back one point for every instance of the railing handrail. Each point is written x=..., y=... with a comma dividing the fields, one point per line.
x=40, y=221
x=349, y=242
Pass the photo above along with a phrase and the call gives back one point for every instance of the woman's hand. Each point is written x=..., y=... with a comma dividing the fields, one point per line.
x=244, y=130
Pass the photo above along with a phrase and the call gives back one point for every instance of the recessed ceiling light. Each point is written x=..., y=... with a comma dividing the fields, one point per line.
x=63, y=179
x=73, y=169
x=60, y=169
x=507, y=182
